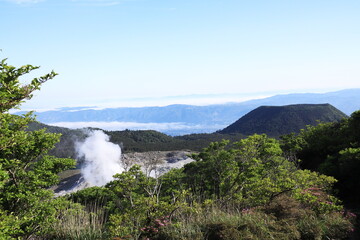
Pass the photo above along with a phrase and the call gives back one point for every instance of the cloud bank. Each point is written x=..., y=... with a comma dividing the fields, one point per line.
x=161, y=127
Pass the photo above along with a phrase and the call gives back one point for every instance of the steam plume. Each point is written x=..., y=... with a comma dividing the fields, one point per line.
x=102, y=159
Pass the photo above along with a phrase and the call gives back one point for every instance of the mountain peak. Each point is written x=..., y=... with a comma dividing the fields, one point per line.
x=279, y=120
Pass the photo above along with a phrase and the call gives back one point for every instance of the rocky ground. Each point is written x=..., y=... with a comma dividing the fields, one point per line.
x=153, y=164
x=158, y=162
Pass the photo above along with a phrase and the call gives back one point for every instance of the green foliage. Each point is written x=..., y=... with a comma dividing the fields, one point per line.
x=26, y=170
x=332, y=149
x=138, y=202
x=313, y=189
x=65, y=148
x=231, y=191
x=12, y=92
x=250, y=173
x=172, y=185
x=95, y=196
x=245, y=190
x=349, y=165
x=214, y=172
x=9, y=226
x=132, y=202
x=284, y=218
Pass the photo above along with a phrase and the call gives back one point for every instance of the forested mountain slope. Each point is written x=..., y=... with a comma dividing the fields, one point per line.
x=279, y=120
x=133, y=141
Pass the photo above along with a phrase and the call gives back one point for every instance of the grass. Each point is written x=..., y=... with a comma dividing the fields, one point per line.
x=80, y=224
x=283, y=219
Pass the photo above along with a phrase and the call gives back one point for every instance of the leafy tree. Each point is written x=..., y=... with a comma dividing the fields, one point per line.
x=251, y=172
x=138, y=202
x=214, y=172
x=331, y=149
x=26, y=171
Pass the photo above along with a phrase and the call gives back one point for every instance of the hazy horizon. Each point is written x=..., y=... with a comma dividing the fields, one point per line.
x=195, y=100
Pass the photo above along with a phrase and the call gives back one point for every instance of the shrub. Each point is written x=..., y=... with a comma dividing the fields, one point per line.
x=9, y=226
x=335, y=226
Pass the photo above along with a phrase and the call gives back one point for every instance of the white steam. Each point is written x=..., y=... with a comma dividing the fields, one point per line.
x=102, y=159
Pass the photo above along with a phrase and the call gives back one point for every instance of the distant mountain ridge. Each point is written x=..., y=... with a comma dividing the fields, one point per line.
x=271, y=120
x=347, y=100
x=220, y=115
x=279, y=120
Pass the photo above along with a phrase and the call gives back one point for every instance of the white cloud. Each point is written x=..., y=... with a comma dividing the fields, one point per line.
x=118, y=126
x=41, y=104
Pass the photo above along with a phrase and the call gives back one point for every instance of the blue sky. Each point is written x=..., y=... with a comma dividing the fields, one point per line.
x=157, y=52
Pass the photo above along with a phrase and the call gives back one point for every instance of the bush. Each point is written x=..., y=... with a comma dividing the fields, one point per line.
x=285, y=218
x=286, y=207
x=9, y=226
x=335, y=226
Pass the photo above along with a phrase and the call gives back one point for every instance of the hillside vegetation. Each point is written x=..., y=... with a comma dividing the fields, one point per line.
x=279, y=120
x=332, y=149
x=132, y=141
x=249, y=189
